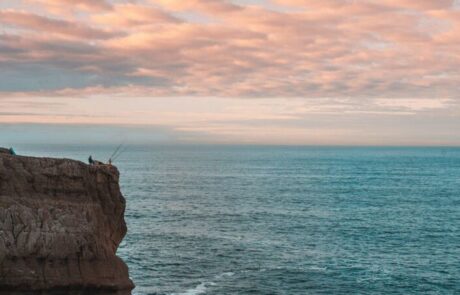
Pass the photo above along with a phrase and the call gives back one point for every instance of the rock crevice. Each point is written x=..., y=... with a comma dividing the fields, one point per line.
x=61, y=222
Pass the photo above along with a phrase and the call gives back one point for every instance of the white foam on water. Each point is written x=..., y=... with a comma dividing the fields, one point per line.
x=317, y=268
x=225, y=274
x=201, y=288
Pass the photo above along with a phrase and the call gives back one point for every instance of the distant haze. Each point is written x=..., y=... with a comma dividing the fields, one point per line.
x=295, y=72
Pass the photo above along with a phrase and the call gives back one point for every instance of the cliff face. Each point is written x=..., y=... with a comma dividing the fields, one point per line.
x=61, y=222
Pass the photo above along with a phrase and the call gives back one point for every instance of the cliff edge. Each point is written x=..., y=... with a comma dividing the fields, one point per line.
x=61, y=222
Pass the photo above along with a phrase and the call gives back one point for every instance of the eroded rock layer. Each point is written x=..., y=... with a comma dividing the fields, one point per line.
x=61, y=222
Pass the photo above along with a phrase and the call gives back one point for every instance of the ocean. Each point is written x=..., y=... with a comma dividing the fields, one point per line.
x=286, y=220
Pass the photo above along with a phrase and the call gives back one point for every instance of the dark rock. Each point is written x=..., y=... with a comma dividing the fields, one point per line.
x=4, y=151
x=61, y=222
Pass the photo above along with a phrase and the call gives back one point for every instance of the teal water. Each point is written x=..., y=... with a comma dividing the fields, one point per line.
x=287, y=220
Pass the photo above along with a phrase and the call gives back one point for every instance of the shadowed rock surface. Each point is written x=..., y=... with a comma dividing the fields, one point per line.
x=61, y=222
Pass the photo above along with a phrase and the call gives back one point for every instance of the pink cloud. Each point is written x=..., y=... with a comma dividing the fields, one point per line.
x=65, y=5
x=320, y=49
x=36, y=23
x=421, y=4
x=131, y=15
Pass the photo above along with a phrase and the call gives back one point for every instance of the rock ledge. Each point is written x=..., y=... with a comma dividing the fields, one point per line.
x=61, y=222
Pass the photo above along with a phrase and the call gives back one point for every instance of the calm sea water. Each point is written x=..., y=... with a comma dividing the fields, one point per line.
x=287, y=220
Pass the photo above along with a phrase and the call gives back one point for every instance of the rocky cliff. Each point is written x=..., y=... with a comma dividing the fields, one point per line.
x=61, y=222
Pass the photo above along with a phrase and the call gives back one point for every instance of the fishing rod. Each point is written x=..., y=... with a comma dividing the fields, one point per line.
x=112, y=157
x=119, y=154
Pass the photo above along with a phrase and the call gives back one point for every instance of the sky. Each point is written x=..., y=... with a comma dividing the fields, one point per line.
x=289, y=72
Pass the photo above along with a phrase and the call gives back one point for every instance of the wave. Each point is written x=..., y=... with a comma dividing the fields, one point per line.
x=202, y=287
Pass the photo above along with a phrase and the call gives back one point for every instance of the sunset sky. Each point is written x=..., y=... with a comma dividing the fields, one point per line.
x=358, y=72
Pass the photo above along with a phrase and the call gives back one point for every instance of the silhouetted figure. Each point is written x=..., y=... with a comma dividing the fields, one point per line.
x=12, y=152
x=90, y=160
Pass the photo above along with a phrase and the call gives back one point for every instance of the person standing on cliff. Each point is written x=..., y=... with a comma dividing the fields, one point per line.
x=90, y=160
x=12, y=152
